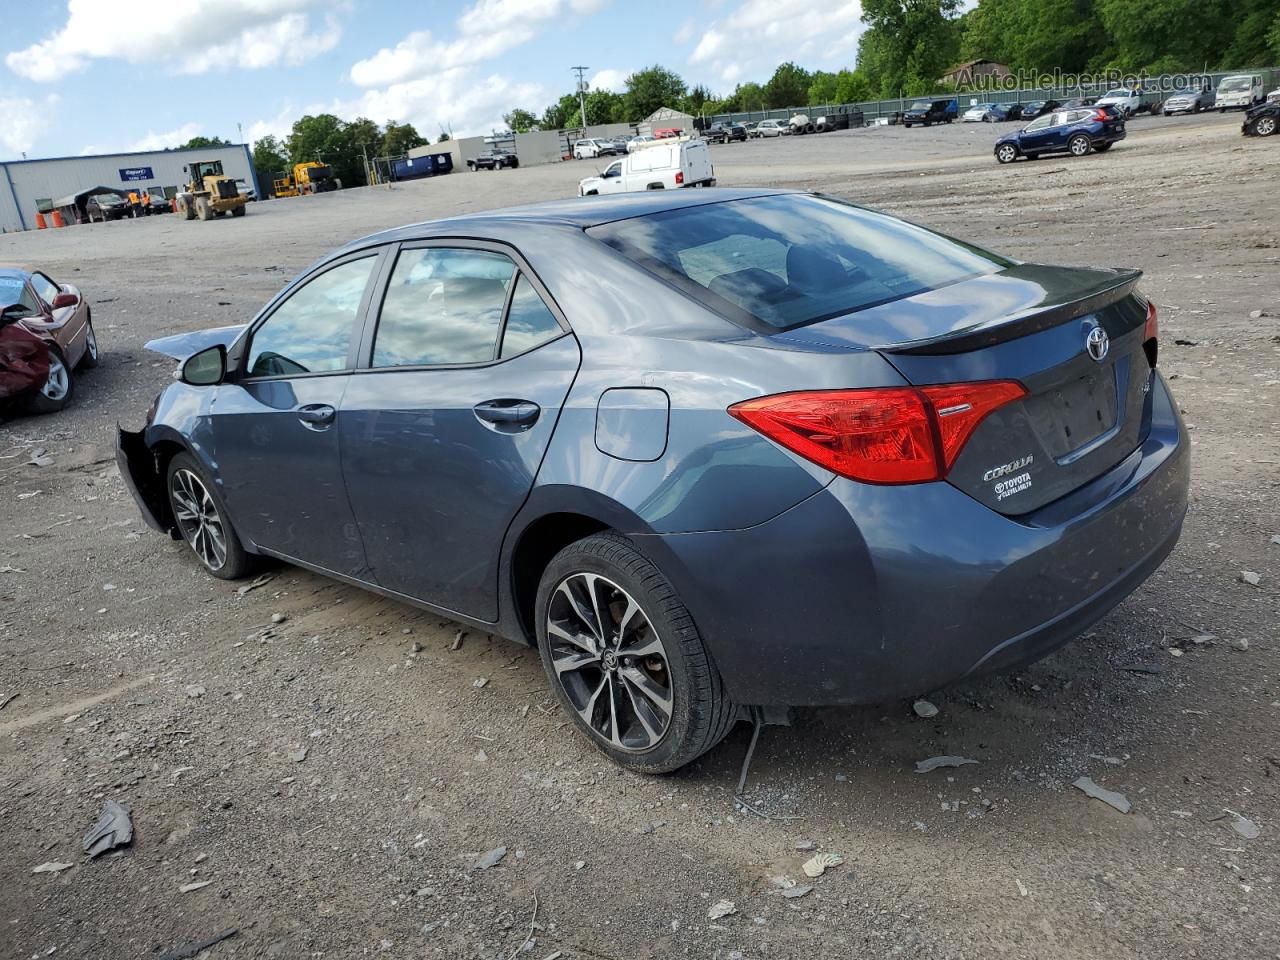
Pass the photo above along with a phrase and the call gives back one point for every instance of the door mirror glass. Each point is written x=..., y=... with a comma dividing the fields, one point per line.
x=206, y=368
x=64, y=300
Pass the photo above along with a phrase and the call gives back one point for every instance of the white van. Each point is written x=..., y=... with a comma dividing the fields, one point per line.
x=662, y=165
x=1243, y=90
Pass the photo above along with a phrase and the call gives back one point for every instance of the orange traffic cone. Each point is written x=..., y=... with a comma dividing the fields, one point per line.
x=40, y=224
x=57, y=219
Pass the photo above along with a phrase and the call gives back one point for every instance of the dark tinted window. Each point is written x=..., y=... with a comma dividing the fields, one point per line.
x=793, y=259
x=310, y=332
x=442, y=306
x=529, y=323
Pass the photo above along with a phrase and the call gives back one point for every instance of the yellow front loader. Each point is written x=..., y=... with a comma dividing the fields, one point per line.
x=209, y=192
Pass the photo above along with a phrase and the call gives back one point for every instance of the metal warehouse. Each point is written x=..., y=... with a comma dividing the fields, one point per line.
x=29, y=186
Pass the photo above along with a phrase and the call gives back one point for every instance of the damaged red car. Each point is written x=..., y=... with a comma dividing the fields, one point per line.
x=46, y=333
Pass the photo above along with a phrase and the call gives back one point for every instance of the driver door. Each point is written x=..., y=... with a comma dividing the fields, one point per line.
x=611, y=179
x=1038, y=134
x=274, y=423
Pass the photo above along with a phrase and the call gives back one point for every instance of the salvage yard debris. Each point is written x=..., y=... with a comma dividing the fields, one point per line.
x=721, y=908
x=113, y=829
x=490, y=859
x=53, y=866
x=1109, y=797
x=817, y=865
x=933, y=763
x=189, y=950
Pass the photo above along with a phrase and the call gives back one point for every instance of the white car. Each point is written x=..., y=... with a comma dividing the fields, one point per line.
x=977, y=113
x=771, y=128
x=1242, y=90
x=594, y=147
x=662, y=166
x=1123, y=99
x=635, y=143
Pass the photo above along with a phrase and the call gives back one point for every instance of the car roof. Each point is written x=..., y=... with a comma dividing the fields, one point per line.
x=21, y=270
x=581, y=212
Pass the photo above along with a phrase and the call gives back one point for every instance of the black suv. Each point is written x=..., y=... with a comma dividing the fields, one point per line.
x=930, y=111
x=494, y=160
x=725, y=133
x=1262, y=120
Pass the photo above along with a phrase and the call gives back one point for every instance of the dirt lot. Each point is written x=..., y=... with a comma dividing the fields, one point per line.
x=139, y=678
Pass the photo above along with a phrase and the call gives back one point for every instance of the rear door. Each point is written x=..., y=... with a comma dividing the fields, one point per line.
x=443, y=430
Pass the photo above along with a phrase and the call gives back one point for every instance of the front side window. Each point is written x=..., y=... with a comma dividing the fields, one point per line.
x=792, y=259
x=45, y=288
x=1040, y=123
x=310, y=332
x=442, y=306
x=614, y=170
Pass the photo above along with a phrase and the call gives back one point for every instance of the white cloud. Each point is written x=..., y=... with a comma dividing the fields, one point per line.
x=685, y=33
x=755, y=36
x=615, y=80
x=194, y=37
x=164, y=140
x=25, y=120
x=487, y=29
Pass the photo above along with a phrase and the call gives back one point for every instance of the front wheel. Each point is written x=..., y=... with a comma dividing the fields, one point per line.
x=238, y=211
x=89, y=359
x=202, y=520
x=55, y=392
x=1080, y=145
x=1264, y=126
x=625, y=659
x=1006, y=153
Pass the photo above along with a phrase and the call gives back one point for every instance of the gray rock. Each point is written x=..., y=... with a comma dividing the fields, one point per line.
x=925, y=709
x=1109, y=797
x=933, y=763
x=490, y=859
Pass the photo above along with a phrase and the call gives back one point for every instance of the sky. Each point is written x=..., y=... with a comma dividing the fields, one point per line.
x=94, y=76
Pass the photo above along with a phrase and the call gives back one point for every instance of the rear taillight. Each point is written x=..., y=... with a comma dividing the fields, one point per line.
x=679, y=176
x=1101, y=116
x=886, y=435
x=1151, y=334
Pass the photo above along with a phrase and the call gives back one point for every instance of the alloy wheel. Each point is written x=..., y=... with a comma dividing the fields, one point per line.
x=58, y=384
x=1079, y=146
x=1265, y=127
x=91, y=344
x=610, y=662
x=198, y=518
x=1005, y=154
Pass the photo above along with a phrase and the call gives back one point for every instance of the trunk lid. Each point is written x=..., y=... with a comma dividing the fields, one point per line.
x=1085, y=410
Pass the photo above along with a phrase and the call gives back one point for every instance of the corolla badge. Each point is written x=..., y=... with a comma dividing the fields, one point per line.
x=1097, y=343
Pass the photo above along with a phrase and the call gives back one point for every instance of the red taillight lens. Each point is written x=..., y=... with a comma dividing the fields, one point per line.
x=679, y=176
x=886, y=435
x=1101, y=116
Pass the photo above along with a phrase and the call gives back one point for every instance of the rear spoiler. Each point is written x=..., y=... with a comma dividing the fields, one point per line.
x=1114, y=286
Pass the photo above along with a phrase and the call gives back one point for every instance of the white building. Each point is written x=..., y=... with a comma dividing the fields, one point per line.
x=28, y=186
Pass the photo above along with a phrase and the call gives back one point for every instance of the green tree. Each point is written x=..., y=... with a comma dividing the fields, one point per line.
x=605, y=106
x=336, y=142
x=269, y=157
x=520, y=121
x=563, y=113
x=908, y=44
x=788, y=87
x=651, y=89
x=1033, y=34
x=196, y=143
x=1166, y=34
x=852, y=86
x=399, y=138
x=745, y=97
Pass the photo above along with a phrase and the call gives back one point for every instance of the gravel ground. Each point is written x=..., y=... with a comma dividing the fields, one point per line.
x=335, y=777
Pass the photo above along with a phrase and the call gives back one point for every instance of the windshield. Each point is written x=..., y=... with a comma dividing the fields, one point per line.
x=11, y=289
x=792, y=259
x=1117, y=95
x=920, y=105
x=1236, y=83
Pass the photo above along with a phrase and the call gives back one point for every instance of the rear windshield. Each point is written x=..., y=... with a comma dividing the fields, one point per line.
x=784, y=261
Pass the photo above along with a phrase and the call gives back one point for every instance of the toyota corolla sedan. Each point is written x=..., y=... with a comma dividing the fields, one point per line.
x=707, y=450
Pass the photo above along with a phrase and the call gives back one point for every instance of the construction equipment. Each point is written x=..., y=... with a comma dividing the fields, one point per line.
x=209, y=192
x=309, y=177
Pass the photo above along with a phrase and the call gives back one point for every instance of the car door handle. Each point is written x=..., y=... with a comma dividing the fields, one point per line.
x=316, y=416
x=508, y=415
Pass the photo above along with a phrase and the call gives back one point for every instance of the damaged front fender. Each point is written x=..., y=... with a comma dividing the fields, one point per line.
x=141, y=474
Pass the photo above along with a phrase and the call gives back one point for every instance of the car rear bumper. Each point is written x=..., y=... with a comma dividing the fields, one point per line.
x=862, y=593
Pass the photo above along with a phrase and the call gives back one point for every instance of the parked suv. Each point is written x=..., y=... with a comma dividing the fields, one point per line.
x=1077, y=132
x=926, y=112
x=725, y=133
x=596, y=147
x=494, y=160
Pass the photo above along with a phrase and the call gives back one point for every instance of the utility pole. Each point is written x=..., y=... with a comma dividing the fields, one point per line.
x=240, y=131
x=368, y=178
x=582, y=86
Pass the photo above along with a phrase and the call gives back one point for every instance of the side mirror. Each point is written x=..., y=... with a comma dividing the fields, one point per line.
x=13, y=313
x=206, y=368
x=64, y=300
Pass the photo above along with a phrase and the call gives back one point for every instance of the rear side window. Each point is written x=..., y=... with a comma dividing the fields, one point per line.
x=442, y=306
x=530, y=323
x=784, y=261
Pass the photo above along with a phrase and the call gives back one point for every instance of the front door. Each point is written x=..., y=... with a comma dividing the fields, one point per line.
x=1038, y=134
x=444, y=431
x=275, y=424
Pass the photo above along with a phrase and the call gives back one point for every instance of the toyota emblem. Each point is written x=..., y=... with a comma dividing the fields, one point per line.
x=1097, y=343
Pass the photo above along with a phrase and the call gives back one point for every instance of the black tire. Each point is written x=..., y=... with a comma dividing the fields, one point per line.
x=90, y=358
x=238, y=211
x=1080, y=145
x=701, y=713
x=51, y=399
x=236, y=563
x=1102, y=147
x=203, y=210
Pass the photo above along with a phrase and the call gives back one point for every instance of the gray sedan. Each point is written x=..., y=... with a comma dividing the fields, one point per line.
x=707, y=450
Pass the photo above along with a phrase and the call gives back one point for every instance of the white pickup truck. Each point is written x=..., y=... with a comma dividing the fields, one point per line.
x=661, y=165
